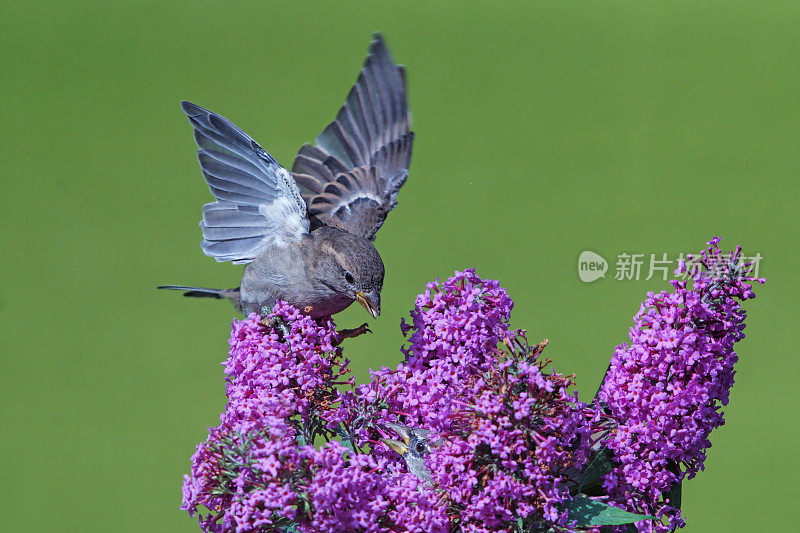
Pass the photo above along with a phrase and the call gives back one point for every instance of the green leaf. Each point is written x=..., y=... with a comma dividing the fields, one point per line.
x=674, y=494
x=602, y=381
x=588, y=512
x=598, y=466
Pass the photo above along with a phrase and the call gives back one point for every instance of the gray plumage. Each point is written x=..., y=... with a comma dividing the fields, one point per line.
x=414, y=447
x=324, y=271
x=350, y=178
x=309, y=244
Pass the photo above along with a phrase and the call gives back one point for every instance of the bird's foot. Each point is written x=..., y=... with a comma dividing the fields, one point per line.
x=352, y=333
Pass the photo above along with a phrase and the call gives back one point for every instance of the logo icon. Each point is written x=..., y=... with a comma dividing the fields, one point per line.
x=591, y=266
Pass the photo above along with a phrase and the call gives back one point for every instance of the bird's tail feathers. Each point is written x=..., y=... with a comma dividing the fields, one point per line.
x=202, y=292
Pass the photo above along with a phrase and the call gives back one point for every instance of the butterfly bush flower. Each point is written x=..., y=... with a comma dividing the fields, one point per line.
x=516, y=436
x=509, y=431
x=258, y=469
x=299, y=370
x=667, y=387
x=456, y=327
x=277, y=384
x=299, y=446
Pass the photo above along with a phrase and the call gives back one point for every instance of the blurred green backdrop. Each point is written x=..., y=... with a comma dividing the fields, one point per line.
x=543, y=129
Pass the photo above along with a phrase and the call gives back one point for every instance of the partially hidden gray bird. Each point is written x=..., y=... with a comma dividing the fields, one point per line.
x=413, y=448
x=306, y=235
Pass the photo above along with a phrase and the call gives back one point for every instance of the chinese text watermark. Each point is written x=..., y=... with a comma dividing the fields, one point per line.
x=644, y=266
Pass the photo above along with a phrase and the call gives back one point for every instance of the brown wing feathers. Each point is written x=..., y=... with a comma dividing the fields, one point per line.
x=351, y=177
x=363, y=211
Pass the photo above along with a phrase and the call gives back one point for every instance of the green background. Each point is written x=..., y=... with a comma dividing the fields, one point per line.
x=543, y=129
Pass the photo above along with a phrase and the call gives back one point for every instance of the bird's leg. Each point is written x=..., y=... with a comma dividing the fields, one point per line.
x=352, y=333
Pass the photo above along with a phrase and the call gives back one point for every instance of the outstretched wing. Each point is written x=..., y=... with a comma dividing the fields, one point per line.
x=258, y=202
x=351, y=177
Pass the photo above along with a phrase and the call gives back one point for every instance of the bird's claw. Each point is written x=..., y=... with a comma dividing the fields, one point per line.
x=352, y=333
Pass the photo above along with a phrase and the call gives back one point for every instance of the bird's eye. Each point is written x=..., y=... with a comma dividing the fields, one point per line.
x=420, y=447
x=349, y=278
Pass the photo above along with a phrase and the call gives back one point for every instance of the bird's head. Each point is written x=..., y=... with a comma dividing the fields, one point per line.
x=353, y=268
x=414, y=441
x=414, y=446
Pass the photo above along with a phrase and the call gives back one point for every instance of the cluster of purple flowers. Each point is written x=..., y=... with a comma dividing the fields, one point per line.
x=259, y=470
x=517, y=437
x=456, y=327
x=245, y=471
x=508, y=430
x=666, y=388
x=299, y=446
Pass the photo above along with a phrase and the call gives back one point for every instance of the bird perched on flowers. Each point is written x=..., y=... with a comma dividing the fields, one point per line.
x=306, y=235
x=414, y=448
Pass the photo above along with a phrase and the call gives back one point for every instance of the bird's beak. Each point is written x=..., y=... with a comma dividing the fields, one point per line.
x=371, y=302
x=396, y=445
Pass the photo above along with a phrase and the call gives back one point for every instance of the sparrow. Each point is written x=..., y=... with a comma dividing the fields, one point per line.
x=306, y=235
x=414, y=448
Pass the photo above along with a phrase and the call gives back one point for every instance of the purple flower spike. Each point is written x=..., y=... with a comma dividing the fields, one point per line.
x=667, y=387
x=513, y=444
x=505, y=434
x=257, y=470
x=278, y=381
x=456, y=326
